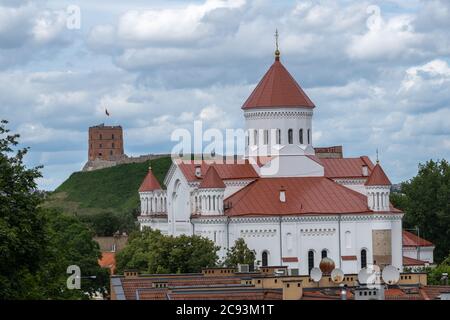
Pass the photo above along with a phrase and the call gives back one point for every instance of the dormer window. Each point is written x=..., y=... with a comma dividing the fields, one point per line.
x=300, y=136
x=278, y=136
x=290, y=136
x=309, y=136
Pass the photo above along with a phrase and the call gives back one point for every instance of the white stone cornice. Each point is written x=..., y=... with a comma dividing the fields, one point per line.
x=274, y=114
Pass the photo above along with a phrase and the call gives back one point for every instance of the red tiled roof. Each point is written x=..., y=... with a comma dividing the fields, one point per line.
x=226, y=171
x=378, y=177
x=108, y=260
x=346, y=167
x=290, y=259
x=150, y=183
x=407, y=261
x=411, y=240
x=432, y=292
x=277, y=89
x=237, y=294
x=211, y=179
x=349, y=258
x=304, y=195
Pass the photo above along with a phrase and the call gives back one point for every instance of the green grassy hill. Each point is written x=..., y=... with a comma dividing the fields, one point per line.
x=112, y=189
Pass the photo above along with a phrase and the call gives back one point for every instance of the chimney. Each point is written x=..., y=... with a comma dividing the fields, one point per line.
x=282, y=194
x=198, y=171
x=365, y=170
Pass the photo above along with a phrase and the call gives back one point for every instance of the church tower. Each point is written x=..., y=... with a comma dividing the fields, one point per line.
x=378, y=188
x=278, y=119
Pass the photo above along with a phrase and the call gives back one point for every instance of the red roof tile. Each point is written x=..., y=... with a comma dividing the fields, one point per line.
x=304, y=195
x=346, y=167
x=407, y=261
x=433, y=292
x=211, y=179
x=226, y=171
x=411, y=240
x=150, y=183
x=378, y=177
x=277, y=89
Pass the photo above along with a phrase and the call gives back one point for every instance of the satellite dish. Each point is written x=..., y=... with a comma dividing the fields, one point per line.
x=315, y=274
x=337, y=275
x=365, y=276
x=390, y=274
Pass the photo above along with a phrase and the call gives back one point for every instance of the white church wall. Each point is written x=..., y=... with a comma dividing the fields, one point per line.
x=233, y=186
x=280, y=118
x=292, y=166
x=353, y=184
x=260, y=235
x=178, y=202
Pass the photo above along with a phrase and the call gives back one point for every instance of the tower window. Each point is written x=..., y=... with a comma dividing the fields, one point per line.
x=324, y=253
x=309, y=136
x=279, y=136
x=113, y=144
x=101, y=137
x=310, y=260
x=110, y=152
x=300, y=136
x=290, y=136
x=363, y=258
x=101, y=146
x=266, y=136
x=112, y=136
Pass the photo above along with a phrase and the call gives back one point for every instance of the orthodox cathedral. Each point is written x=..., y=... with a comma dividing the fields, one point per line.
x=293, y=206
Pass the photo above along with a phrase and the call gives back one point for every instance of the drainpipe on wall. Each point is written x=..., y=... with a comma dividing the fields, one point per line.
x=228, y=233
x=340, y=254
x=281, y=244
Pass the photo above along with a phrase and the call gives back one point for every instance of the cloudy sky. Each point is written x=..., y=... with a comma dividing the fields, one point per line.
x=378, y=72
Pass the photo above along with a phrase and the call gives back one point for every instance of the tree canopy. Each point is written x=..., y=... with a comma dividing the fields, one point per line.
x=37, y=245
x=240, y=254
x=425, y=199
x=152, y=252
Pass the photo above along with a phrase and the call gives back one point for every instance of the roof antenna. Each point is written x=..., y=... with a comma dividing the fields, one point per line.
x=277, y=51
x=378, y=160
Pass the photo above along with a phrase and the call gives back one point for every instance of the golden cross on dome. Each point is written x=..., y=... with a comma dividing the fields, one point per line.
x=277, y=51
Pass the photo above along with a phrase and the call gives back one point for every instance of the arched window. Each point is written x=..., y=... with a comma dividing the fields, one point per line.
x=310, y=260
x=363, y=258
x=255, y=137
x=300, y=136
x=265, y=259
x=290, y=137
x=324, y=253
x=309, y=136
x=266, y=136
x=279, y=136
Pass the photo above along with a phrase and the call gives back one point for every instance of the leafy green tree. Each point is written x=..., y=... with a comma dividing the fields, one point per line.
x=150, y=251
x=240, y=254
x=107, y=223
x=22, y=230
x=71, y=243
x=425, y=199
x=435, y=274
x=37, y=245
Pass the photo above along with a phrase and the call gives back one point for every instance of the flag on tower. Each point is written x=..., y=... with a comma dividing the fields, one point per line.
x=106, y=111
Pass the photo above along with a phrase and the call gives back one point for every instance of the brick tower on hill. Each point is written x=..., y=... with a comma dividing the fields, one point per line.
x=105, y=143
